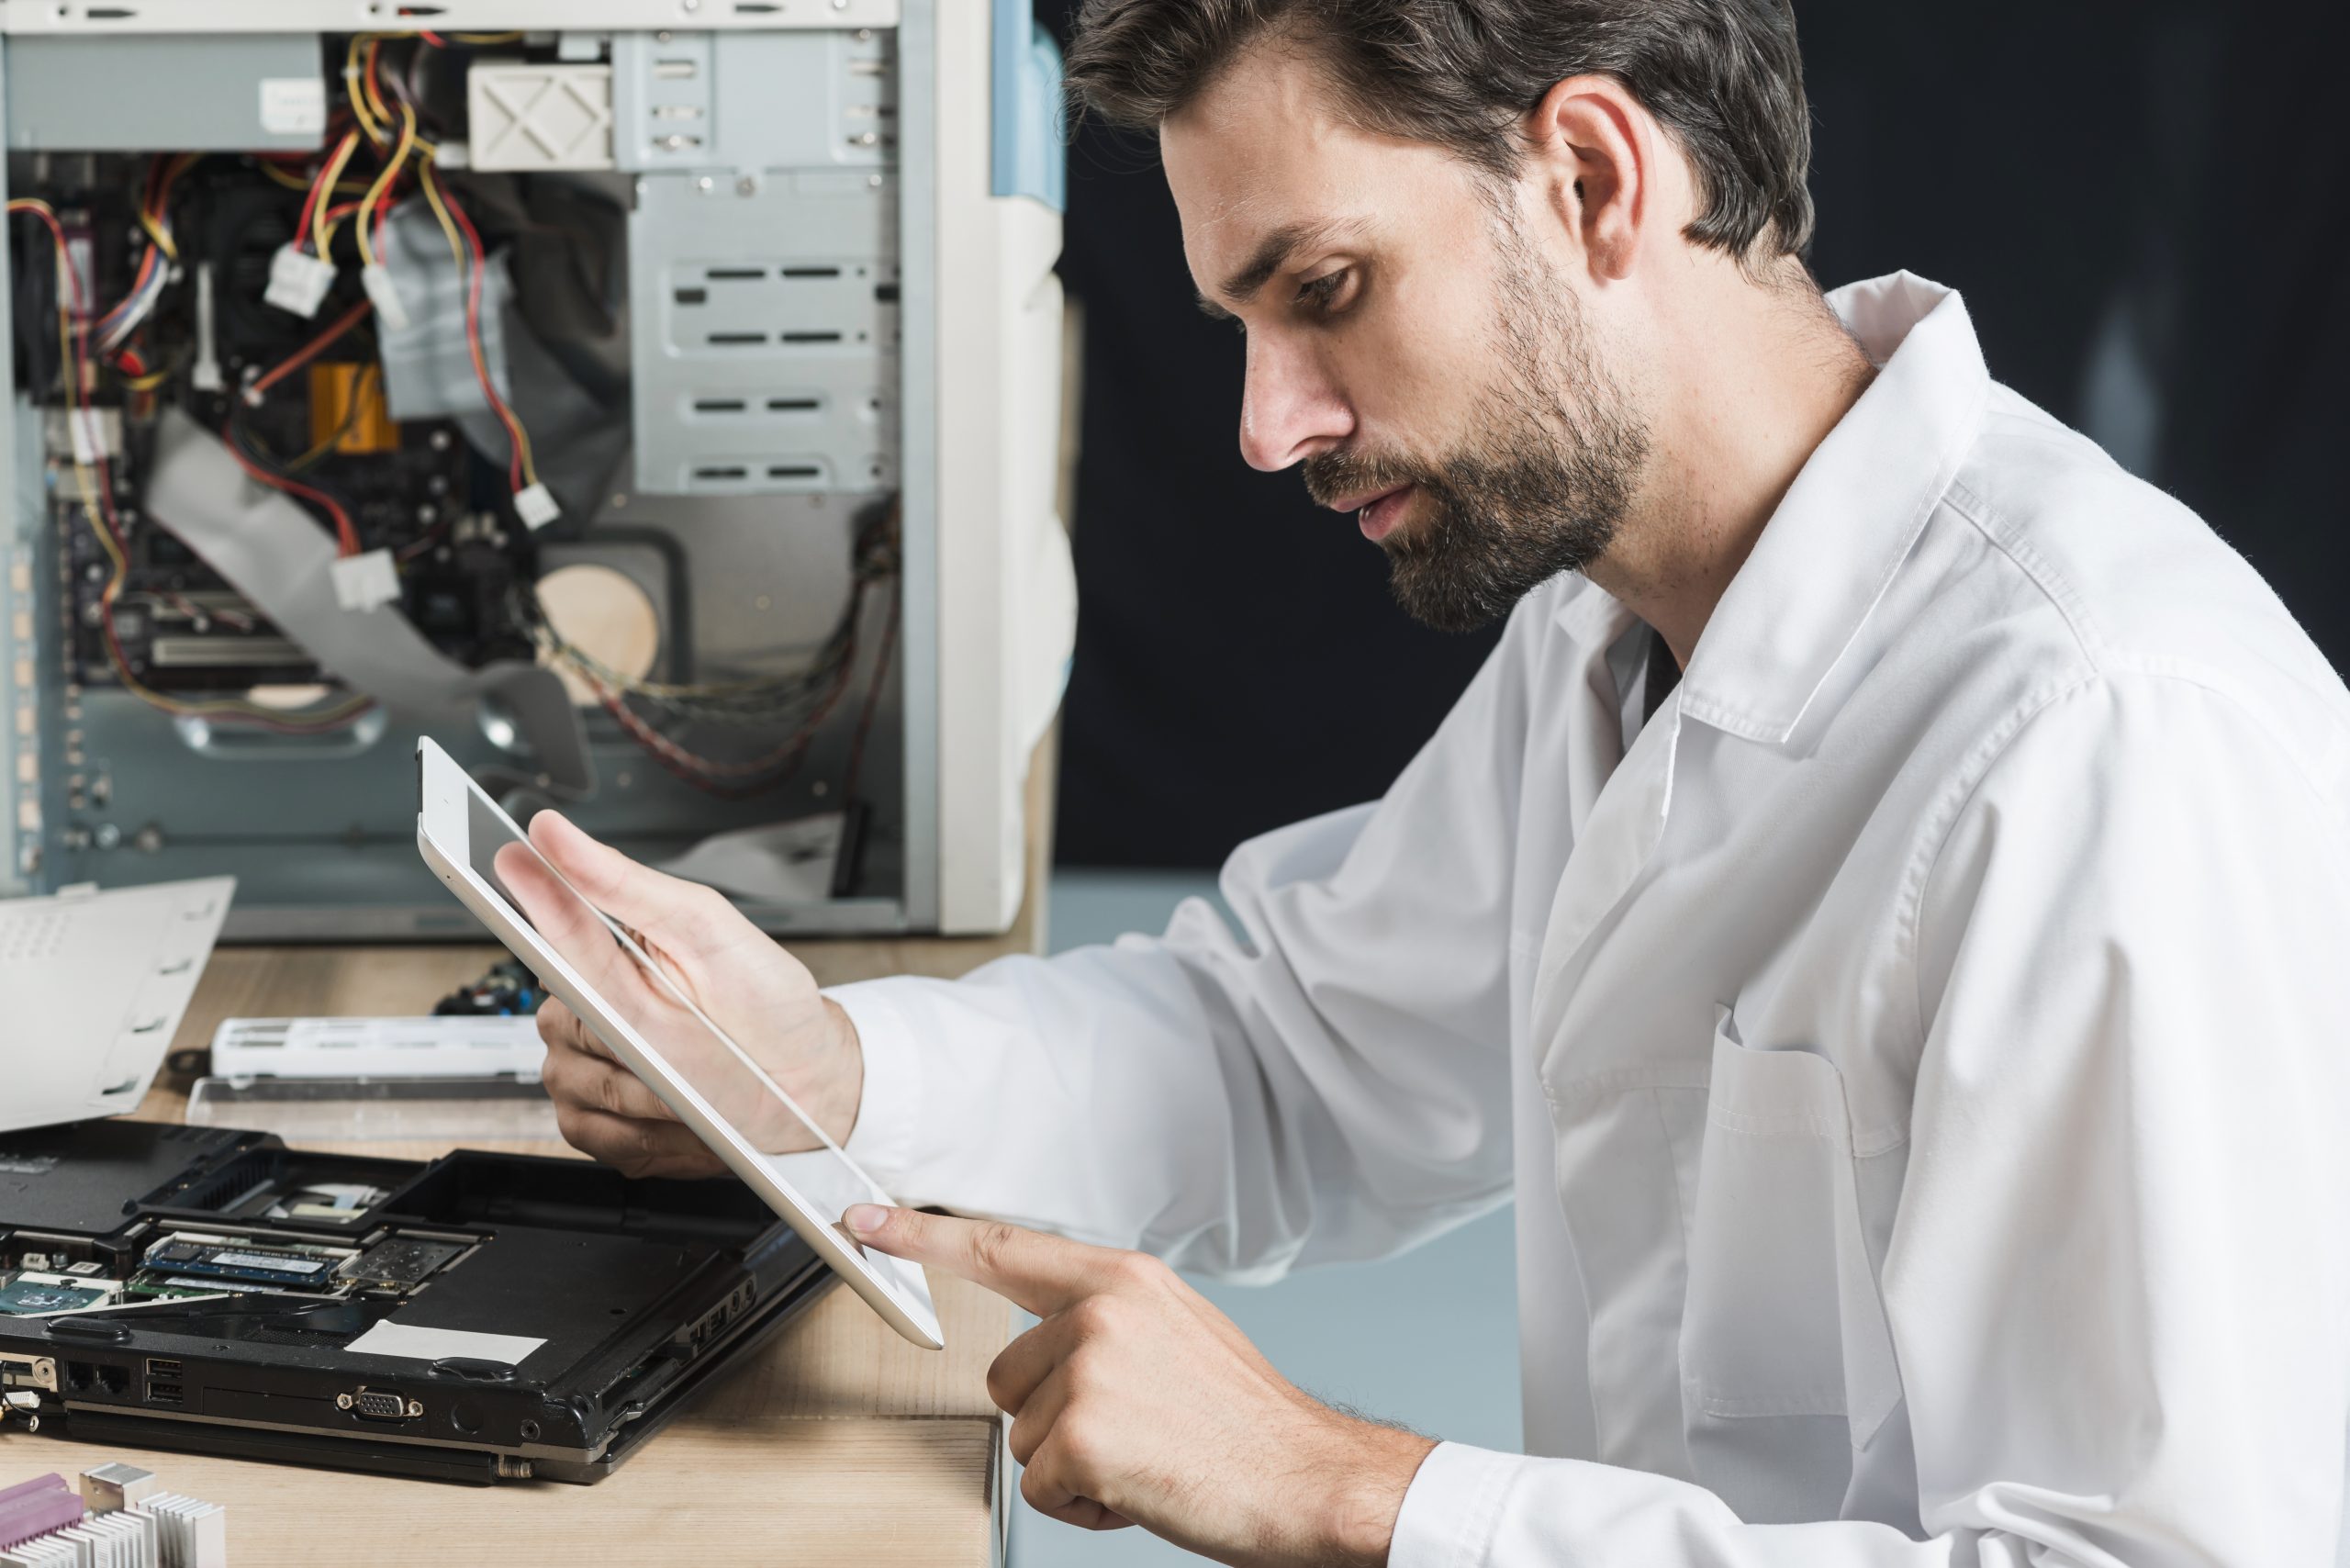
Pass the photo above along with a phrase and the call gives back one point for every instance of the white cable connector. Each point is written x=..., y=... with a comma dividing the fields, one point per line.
x=297, y=282
x=536, y=505
x=380, y=290
x=364, y=581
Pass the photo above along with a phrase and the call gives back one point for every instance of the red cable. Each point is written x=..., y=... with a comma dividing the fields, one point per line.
x=344, y=530
x=382, y=217
x=73, y=279
x=309, y=205
x=309, y=351
x=703, y=773
x=474, y=340
x=107, y=518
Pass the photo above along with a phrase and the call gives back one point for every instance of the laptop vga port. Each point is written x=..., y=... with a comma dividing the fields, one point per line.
x=379, y=1405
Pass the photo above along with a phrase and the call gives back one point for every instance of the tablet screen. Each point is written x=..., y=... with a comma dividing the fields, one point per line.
x=695, y=1035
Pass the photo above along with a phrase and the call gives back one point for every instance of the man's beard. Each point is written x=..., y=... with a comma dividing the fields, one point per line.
x=1537, y=490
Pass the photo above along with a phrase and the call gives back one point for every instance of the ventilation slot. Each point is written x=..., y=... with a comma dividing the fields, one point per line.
x=732, y=340
x=718, y=406
x=812, y=271
x=723, y=474
x=675, y=70
x=794, y=405
x=734, y=274
x=794, y=471
x=693, y=296
x=812, y=337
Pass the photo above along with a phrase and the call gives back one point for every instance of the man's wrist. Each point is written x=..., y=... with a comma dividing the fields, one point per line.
x=849, y=1076
x=1366, y=1492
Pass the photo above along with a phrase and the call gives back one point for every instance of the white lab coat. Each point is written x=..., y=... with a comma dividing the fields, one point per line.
x=1918, y=1058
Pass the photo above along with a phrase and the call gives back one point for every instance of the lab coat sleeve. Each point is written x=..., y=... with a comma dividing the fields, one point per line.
x=1330, y=1082
x=2116, y=1283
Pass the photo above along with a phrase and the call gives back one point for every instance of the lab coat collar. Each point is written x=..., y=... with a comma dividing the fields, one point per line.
x=1829, y=552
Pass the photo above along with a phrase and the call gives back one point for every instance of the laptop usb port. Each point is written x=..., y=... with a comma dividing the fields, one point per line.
x=166, y=1393
x=158, y=1367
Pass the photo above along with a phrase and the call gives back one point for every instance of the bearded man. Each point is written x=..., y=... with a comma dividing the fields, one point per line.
x=1872, y=911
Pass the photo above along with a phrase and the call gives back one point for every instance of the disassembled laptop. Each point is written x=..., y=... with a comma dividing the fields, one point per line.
x=479, y=1316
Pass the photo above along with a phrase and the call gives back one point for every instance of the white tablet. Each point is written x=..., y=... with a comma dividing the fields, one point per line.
x=801, y=1174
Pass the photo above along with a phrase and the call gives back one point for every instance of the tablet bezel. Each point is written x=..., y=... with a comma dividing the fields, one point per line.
x=443, y=835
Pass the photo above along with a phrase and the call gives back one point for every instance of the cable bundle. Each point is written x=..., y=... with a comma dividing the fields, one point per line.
x=803, y=701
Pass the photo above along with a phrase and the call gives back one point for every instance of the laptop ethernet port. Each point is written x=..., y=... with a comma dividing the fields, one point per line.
x=380, y=1404
x=112, y=1378
x=80, y=1376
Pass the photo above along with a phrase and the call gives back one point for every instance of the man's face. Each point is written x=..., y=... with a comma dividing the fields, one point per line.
x=1410, y=343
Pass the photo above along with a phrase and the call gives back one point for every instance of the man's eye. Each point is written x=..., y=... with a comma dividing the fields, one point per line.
x=1321, y=294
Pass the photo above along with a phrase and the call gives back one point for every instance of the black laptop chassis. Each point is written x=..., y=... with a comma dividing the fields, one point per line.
x=229, y=1276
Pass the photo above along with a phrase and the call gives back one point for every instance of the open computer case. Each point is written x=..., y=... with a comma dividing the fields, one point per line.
x=655, y=401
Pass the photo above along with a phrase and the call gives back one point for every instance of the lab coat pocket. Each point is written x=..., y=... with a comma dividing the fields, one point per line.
x=1783, y=1317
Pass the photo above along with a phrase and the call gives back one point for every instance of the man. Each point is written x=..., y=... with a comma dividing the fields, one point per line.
x=1908, y=1034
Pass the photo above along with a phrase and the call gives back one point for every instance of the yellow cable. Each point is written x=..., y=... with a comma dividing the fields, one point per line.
x=294, y=181
x=391, y=172
x=354, y=88
x=151, y=221
x=367, y=81
x=465, y=259
x=319, y=229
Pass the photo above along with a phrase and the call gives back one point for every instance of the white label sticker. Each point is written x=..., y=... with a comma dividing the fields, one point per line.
x=87, y=438
x=413, y=1342
x=293, y=106
x=270, y=1261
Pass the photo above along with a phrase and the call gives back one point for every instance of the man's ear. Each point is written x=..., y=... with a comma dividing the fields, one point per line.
x=1592, y=151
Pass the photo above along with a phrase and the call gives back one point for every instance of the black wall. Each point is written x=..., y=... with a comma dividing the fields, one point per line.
x=2147, y=207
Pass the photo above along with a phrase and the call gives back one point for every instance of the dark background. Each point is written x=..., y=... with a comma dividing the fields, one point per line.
x=2147, y=207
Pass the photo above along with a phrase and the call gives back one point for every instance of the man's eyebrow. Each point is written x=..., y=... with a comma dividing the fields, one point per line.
x=1272, y=254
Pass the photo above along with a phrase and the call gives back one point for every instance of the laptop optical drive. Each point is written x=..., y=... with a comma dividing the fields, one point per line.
x=477, y=1317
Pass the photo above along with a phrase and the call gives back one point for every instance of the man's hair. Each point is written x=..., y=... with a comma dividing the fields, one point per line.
x=1723, y=76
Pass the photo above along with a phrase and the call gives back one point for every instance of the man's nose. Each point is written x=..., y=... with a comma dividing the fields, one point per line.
x=1289, y=409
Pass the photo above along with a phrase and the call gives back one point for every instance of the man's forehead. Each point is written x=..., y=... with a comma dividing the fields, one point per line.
x=1264, y=161
x=1245, y=219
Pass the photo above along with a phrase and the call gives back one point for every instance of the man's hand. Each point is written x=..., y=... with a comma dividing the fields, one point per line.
x=734, y=972
x=1134, y=1401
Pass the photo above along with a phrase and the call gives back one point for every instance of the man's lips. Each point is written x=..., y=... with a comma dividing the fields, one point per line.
x=1378, y=510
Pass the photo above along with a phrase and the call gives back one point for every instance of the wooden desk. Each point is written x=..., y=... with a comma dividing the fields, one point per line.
x=839, y=1443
